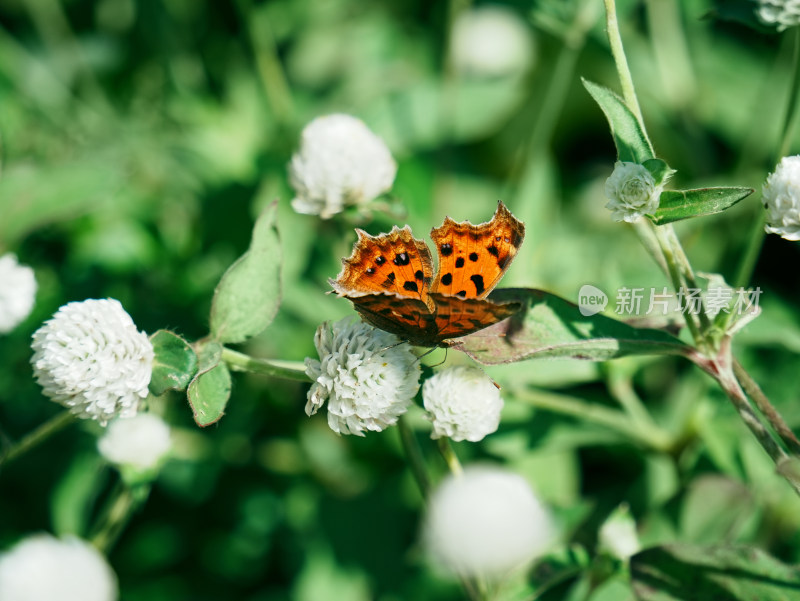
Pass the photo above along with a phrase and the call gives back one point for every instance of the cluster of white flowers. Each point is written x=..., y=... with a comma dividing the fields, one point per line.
x=140, y=442
x=91, y=358
x=781, y=14
x=44, y=568
x=491, y=41
x=367, y=376
x=340, y=162
x=463, y=403
x=486, y=522
x=781, y=198
x=632, y=192
x=17, y=292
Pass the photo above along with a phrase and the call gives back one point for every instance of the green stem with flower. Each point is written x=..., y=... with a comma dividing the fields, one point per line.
x=716, y=359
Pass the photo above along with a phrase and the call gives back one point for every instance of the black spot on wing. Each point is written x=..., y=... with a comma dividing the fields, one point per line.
x=379, y=260
x=478, y=281
x=446, y=249
x=447, y=279
x=493, y=251
x=419, y=275
x=461, y=293
x=503, y=261
x=473, y=257
x=411, y=286
x=460, y=262
x=401, y=259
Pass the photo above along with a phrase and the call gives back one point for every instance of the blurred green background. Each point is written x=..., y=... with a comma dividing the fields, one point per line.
x=141, y=137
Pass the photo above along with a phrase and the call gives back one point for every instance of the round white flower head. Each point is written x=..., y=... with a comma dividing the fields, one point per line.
x=491, y=41
x=632, y=192
x=486, y=522
x=781, y=14
x=91, y=358
x=368, y=377
x=42, y=567
x=781, y=198
x=463, y=403
x=340, y=162
x=17, y=292
x=618, y=534
x=140, y=442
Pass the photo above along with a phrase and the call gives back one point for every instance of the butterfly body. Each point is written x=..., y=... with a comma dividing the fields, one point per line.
x=391, y=281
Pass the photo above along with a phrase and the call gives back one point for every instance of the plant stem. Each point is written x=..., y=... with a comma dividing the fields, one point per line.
x=677, y=283
x=646, y=435
x=756, y=241
x=414, y=456
x=117, y=514
x=765, y=407
x=449, y=456
x=287, y=370
x=38, y=436
x=268, y=63
x=556, y=92
x=618, y=52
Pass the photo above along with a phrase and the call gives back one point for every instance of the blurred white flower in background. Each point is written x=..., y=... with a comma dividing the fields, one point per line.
x=491, y=41
x=340, y=162
x=367, y=376
x=632, y=192
x=463, y=403
x=44, y=568
x=618, y=534
x=140, y=442
x=779, y=13
x=17, y=292
x=91, y=358
x=486, y=522
x=781, y=198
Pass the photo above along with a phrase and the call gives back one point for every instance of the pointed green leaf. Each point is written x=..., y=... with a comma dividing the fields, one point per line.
x=682, y=572
x=210, y=389
x=629, y=137
x=659, y=169
x=248, y=295
x=684, y=204
x=548, y=326
x=174, y=365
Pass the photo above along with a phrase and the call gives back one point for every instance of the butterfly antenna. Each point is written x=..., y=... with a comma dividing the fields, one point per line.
x=429, y=351
x=491, y=379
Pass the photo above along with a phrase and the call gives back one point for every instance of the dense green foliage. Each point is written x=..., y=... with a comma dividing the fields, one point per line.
x=141, y=139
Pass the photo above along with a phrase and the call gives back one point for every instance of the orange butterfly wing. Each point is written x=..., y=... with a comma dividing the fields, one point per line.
x=473, y=258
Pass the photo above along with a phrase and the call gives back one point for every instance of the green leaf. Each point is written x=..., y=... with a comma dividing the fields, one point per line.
x=248, y=295
x=629, y=136
x=684, y=204
x=33, y=196
x=659, y=169
x=548, y=326
x=210, y=389
x=174, y=365
x=681, y=572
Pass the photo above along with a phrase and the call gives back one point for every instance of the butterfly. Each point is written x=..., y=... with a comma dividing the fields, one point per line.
x=390, y=278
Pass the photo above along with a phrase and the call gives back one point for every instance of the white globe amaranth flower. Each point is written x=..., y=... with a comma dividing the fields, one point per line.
x=43, y=568
x=340, y=162
x=780, y=14
x=17, y=292
x=632, y=192
x=91, y=358
x=367, y=376
x=618, y=534
x=140, y=442
x=463, y=403
x=491, y=41
x=486, y=522
x=781, y=198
